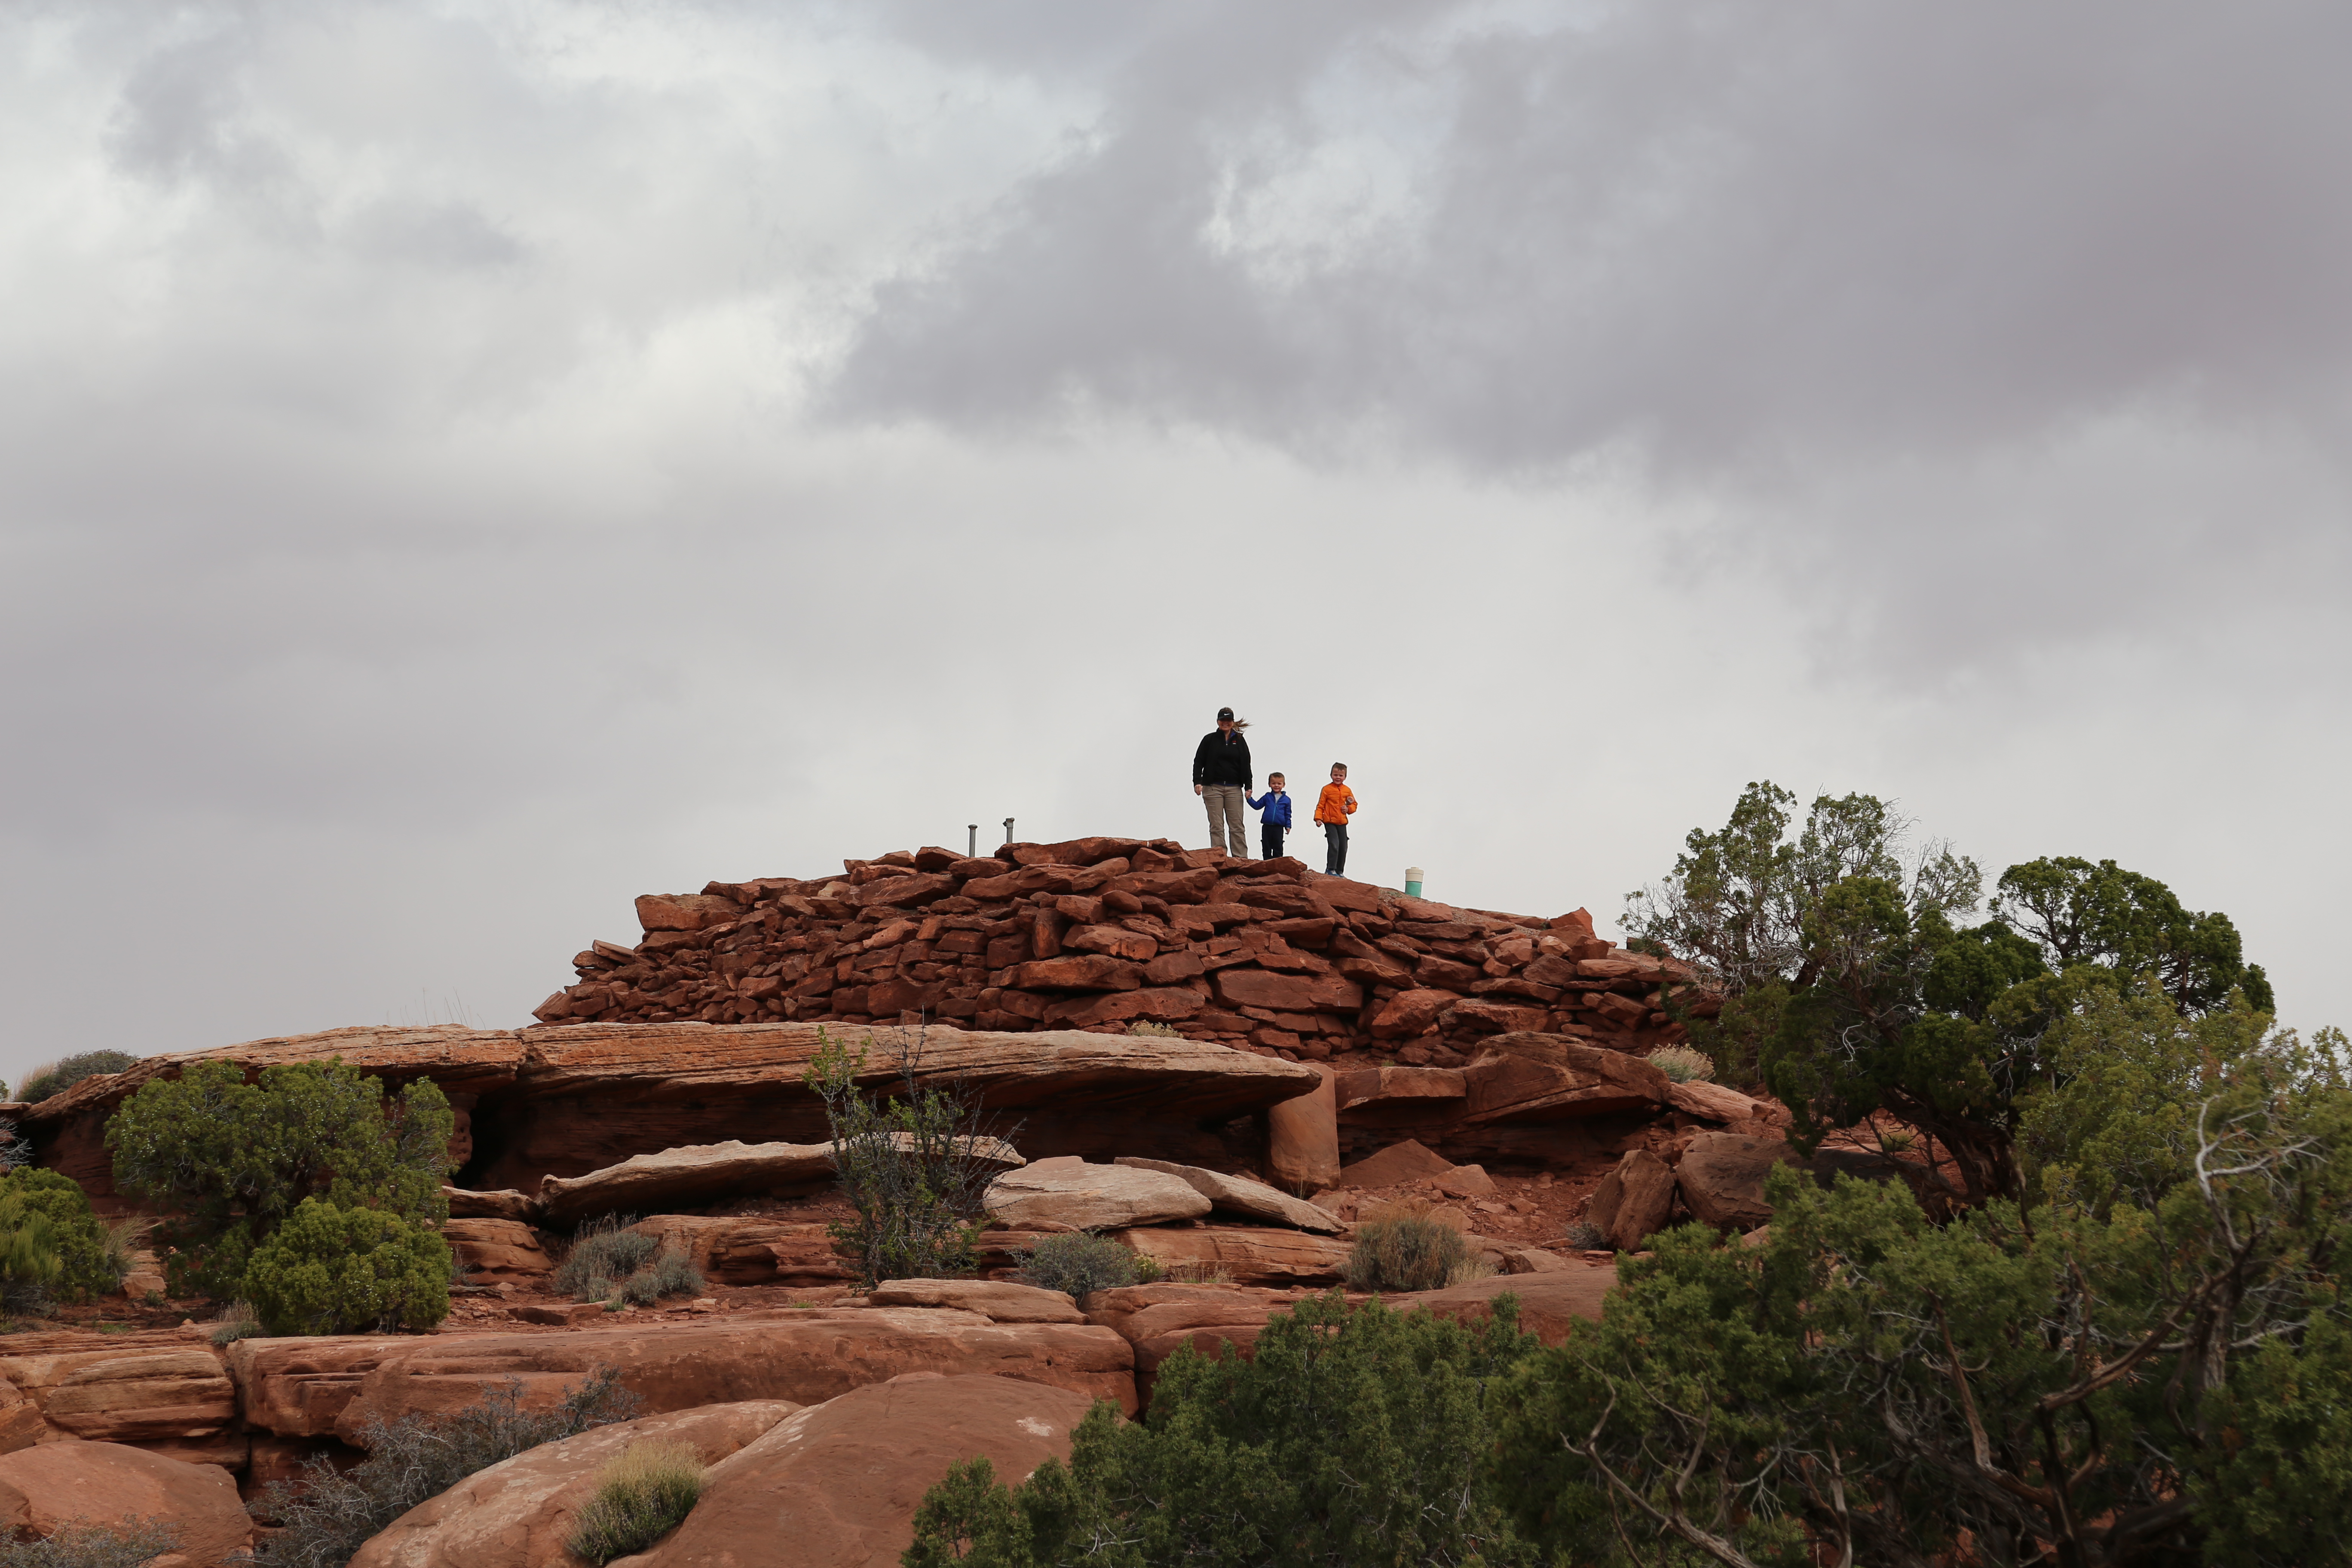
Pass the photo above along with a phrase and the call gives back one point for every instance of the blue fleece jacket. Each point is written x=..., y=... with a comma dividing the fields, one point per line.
x=1275, y=803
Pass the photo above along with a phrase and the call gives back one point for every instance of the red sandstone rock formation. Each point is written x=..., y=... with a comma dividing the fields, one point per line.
x=1096, y=934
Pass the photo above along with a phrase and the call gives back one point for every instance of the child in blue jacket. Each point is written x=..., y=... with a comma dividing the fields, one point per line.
x=1276, y=820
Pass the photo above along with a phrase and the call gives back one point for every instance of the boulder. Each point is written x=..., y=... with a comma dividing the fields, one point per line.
x=696, y=1174
x=1528, y=1076
x=1410, y=1161
x=1288, y=992
x=298, y=1387
x=1239, y=1195
x=518, y=1514
x=805, y=1356
x=1466, y=1182
x=495, y=1250
x=1478, y=1015
x=1721, y=1175
x=1552, y=1303
x=519, y=1207
x=838, y=1486
x=1712, y=1101
x=1248, y=1255
x=1633, y=1201
x=1302, y=1139
x=776, y=1252
x=1411, y=1013
x=1161, y=1320
x=683, y=911
x=703, y=1172
x=1414, y=1090
x=1068, y=1191
x=1078, y=971
x=21, y=1424
x=998, y=1300
x=130, y=1394
x=46, y=1489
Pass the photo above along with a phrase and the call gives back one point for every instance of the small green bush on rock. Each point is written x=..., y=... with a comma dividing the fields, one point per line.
x=50, y=1242
x=1078, y=1263
x=126, y=1545
x=1406, y=1247
x=62, y=1075
x=333, y=1270
x=640, y=1496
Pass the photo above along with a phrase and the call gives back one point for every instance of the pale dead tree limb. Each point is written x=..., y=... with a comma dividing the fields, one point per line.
x=1676, y=1522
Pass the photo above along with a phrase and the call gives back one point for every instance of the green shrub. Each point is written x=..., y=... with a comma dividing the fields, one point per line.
x=911, y=1164
x=126, y=1545
x=1683, y=1065
x=333, y=1270
x=1349, y=1437
x=1078, y=1264
x=61, y=1075
x=329, y=1513
x=229, y=1161
x=602, y=1252
x=640, y=1496
x=1406, y=1247
x=50, y=1242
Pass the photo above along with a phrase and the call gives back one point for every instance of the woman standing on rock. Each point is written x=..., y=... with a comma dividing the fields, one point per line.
x=1221, y=778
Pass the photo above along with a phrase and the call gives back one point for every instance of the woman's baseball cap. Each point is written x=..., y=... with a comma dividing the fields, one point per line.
x=1223, y=714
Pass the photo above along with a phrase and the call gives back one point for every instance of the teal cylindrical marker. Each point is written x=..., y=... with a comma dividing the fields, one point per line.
x=1413, y=875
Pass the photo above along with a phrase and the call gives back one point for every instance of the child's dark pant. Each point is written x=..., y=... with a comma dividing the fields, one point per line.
x=1335, y=849
x=1272, y=834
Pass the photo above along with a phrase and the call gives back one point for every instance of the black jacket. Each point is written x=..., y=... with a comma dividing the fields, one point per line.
x=1222, y=762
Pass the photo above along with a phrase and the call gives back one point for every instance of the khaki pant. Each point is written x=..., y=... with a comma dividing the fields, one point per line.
x=1227, y=816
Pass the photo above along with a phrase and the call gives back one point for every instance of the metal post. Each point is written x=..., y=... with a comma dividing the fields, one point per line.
x=1008, y=830
x=972, y=848
x=1413, y=875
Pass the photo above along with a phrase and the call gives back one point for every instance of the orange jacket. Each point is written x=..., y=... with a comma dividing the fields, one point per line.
x=1336, y=803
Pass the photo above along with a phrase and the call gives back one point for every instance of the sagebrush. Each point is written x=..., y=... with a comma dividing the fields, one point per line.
x=327, y=1513
x=129, y=1544
x=1406, y=1246
x=640, y=1496
x=610, y=1262
x=1683, y=1065
x=1078, y=1263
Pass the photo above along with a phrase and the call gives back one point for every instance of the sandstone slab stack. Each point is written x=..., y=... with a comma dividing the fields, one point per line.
x=1101, y=934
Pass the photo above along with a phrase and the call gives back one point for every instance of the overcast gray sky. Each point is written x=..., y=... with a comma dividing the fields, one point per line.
x=464, y=465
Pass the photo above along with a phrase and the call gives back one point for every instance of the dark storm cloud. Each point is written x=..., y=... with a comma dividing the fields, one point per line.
x=1736, y=235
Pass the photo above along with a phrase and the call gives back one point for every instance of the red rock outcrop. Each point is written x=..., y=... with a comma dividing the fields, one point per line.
x=807, y=1357
x=845, y=1480
x=1096, y=934
x=564, y=1102
x=518, y=1514
x=57, y=1485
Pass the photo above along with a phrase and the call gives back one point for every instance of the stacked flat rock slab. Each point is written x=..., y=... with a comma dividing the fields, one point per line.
x=1101, y=934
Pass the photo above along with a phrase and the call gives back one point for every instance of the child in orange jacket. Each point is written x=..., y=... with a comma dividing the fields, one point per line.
x=1332, y=809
